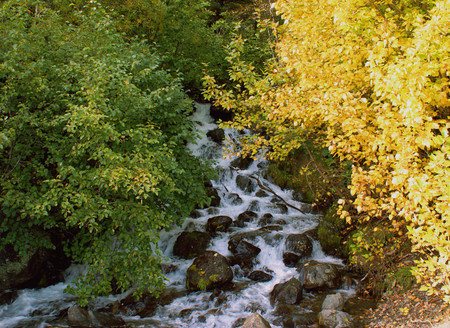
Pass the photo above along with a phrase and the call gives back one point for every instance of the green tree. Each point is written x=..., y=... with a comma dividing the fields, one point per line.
x=182, y=31
x=92, y=144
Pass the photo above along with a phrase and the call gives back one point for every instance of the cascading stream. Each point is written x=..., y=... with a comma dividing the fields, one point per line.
x=219, y=308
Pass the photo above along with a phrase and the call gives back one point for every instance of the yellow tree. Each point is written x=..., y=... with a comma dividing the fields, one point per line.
x=371, y=80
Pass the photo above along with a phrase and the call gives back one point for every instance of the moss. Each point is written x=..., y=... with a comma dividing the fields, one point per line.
x=332, y=233
x=290, y=180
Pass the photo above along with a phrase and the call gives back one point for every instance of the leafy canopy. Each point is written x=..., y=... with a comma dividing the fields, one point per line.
x=92, y=144
x=370, y=80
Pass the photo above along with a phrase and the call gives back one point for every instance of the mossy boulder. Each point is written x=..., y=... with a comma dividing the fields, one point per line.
x=208, y=271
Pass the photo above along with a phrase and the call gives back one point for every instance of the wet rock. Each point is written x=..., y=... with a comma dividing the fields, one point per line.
x=234, y=198
x=280, y=222
x=265, y=220
x=220, y=299
x=146, y=305
x=272, y=227
x=190, y=244
x=36, y=268
x=244, y=218
x=241, y=163
x=195, y=214
x=261, y=193
x=269, y=237
x=291, y=259
x=185, y=313
x=357, y=306
x=299, y=244
x=169, y=295
x=273, y=238
x=333, y=302
x=306, y=208
x=245, y=183
x=208, y=271
x=216, y=135
x=312, y=234
x=317, y=275
x=254, y=206
x=214, y=195
x=289, y=292
x=79, y=317
x=243, y=252
x=236, y=287
x=254, y=307
x=278, y=208
x=285, y=310
x=297, y=196
x=8, y=297
x=143, y=307
x=300, y=320
x=247, y=235
x=256, y=321
x=334, y=319
x=212, y=210
x=218, y=223
x=238, y=323
x=260, y=276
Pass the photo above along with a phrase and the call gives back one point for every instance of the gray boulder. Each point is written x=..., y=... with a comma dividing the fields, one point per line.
x=244, y=218
x=256, y=321
x=245, y=183
x=260, y=276
x=334, y=319
x=333, y=302
x=234, y=198
x=297, y=246
x=289, y=292
x=243, y=252
x=316, y=276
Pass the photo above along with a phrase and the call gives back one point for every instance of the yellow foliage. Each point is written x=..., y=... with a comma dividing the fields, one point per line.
x=371, y=79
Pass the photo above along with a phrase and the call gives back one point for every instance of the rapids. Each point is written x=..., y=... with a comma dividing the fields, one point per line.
x=39, y=308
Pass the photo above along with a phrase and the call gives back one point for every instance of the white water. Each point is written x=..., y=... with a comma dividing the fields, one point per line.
x=33, y=308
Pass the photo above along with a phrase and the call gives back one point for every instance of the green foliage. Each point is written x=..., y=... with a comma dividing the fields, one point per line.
x=182, y=32
x=92, y=144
